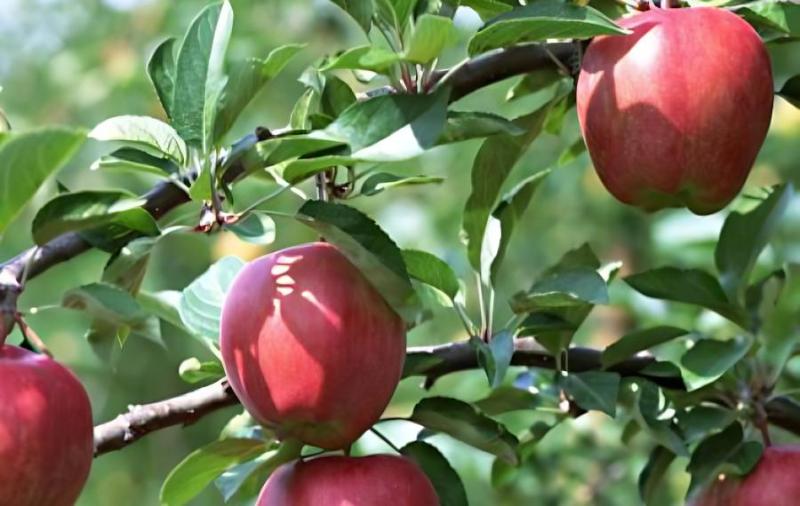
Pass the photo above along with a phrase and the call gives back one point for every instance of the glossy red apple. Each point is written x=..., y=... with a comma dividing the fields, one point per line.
x=675, y=113
x=378, y=480
x=309, y=346
x=775, y=481
x=46, y=434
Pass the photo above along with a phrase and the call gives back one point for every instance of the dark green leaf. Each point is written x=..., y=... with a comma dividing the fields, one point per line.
x=510, y=212
x=594, y=390
x=783, y=17
x=495, y=356
x=463, y=422
x=432, y=271
x=336, y=97
x=781, y=322
x=255, y=228
x=127, y=159
x=708, y=359
x=161, y=70
x=247, y=78
x=376, y=183
x=199, y=74
x=391, y=127
x=487, y=8
x=367, y=246
x=35, y=155
x=505, y=399
x=445, y=480
x=634, y=342
x=653, y=474
x=201, y=302
x=701, y=421
x=567, y=288
x=572, y=152
x=714, y=451
x=462, y=126
x=690, y=286
x=360, y=10
x=202, y=466
x=744, y=236
x=83, y=210
x=372, y=58
x=541, y=20
x=791, y=91
x=492, y=165
x=533, y=82
x=141, y=132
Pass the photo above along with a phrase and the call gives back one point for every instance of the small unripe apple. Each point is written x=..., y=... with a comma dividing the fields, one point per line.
x=378, y=480
x=309, y=345
x=675, y=113
x=46, y=434
x=775, y=481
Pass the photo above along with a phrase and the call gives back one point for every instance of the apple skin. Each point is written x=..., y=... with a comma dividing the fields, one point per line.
x=675, y=113
x=46, y=433
x=309, y=345
x=377, y=480
x=775, y=481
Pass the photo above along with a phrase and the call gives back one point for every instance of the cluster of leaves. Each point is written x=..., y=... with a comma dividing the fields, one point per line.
x=333, y=131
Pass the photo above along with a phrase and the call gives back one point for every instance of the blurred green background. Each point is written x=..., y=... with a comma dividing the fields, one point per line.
x=78, y=62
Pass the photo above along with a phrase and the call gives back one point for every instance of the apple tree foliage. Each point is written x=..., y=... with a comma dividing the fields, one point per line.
x=699, y=390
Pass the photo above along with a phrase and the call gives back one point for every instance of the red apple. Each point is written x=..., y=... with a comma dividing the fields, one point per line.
x=675, y=113
x=378, y=480
x=309, y=345
x=775, y=481
x=46, y=434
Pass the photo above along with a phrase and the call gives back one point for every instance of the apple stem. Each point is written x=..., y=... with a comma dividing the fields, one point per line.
x=384, y=439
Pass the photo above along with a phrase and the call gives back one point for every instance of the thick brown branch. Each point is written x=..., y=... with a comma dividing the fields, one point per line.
x=441, y=360
x=141, y=420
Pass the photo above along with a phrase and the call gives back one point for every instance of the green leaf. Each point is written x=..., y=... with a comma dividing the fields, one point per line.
x=161, y=70
x=718, y=450
x=201, y=302
x=495, y=356
x=432, y=271
x=701, y=421
x=541, y=20
x=709, y=359
x=505, y=399
x=162, y=304
x=247, y=78
x=444, y=478
x=572, y=152
x=594, y=390
x=533, y=82
x=744, y=236
x=192, y=370
x=466, y=125
x=142, y=132
x=487, y=8
x=336, y=97
x=360, y=10
x=649, y=413
x=567, y=288
x=783, y=17
x=510, y=212
x=200, y=76
x=35, y=155
x=404, y=10
x=634, y=342
x=781, y=324
x=127, y=159
x=463, y=422
x=107, y=303
x=83, y=210
x=255, y=228
x=690, y=286
x=652, y=476
x=492, y=165
x=202, y=466
x=376, y=183
x=367, y=246
x=299, y=119
x=391, y=127
x=791, y=91
x=432, y=34
x=371, y=58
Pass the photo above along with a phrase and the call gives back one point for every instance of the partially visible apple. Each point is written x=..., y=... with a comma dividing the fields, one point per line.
x=775, y=481
x=309, y=345
x=675, y=113
x=46, y=434
x=378, y=480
